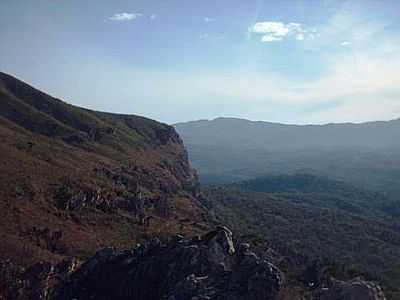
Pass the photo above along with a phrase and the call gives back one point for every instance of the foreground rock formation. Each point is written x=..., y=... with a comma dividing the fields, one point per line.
x=208, y=267
x=356, y=289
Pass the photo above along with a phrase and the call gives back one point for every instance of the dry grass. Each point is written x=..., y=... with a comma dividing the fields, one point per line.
x=48, y=145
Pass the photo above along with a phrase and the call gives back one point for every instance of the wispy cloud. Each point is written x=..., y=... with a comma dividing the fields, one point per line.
x=356, y=85
x=208, y=20
x=277, y=31
x=124, y=17
x=153, y=17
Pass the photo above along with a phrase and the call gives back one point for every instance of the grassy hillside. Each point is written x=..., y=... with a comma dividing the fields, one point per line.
x=313, y=221
x=75, y=180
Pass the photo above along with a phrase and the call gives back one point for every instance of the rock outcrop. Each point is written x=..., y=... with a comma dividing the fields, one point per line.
x=206, y=267
x=356, y=289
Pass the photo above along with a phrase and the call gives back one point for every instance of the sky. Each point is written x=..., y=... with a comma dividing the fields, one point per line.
x=289, y=61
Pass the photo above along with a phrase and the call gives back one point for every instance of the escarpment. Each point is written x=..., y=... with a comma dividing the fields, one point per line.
x=97, y=179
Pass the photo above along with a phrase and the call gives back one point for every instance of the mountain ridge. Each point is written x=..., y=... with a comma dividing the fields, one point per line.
x=75, y=180
x=228, y=150
x=283, y=123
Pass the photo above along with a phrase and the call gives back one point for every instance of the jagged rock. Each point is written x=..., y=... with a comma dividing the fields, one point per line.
x=356, y=289
x=36, y=282
x=244, y=248
x=71, y=199
x=204, y=268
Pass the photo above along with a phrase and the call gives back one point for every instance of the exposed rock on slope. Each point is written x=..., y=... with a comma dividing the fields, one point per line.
x=356, y=289
x=208, y=267
x=75, y=180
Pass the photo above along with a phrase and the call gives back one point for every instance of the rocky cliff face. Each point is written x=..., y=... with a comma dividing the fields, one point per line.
x=75, y=180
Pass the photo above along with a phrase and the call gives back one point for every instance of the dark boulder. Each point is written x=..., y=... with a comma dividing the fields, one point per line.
x=356, y=289
x=207, y=267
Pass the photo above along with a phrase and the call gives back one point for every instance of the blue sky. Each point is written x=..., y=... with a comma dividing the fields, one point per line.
x=292, y=61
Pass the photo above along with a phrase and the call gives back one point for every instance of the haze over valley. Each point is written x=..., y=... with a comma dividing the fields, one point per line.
x=229, y=149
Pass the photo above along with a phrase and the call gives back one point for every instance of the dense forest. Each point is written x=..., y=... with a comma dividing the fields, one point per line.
x=315, y=224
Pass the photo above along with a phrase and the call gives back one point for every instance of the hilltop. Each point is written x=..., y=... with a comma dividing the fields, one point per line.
x=76, y=180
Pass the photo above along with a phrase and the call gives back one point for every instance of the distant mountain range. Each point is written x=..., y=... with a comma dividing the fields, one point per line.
x=247, y=134
x=229, y=149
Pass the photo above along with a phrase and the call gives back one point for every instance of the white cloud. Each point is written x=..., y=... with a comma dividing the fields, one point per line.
x=354, y=23
x=277, y=31
x=124, y=17
x=273, y=28
x=271, y=38
x=208, y=20
x=153, y=17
